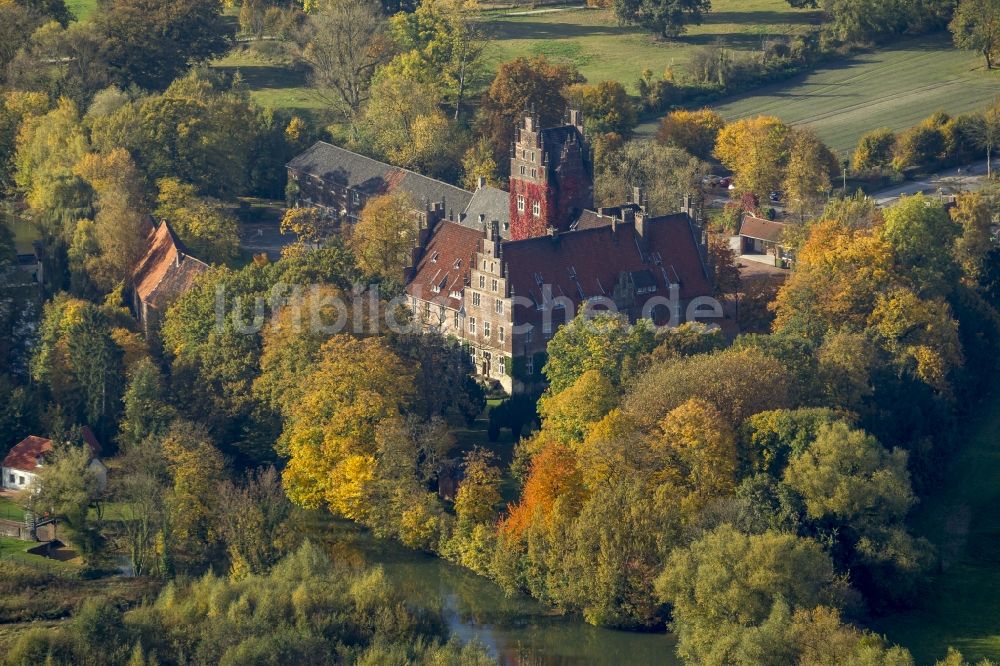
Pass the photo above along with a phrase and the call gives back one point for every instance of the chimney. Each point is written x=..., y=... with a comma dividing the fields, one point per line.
x=628, y=215
x=576, y=119
x=638, y=197
x=687, y=207
x=480, y=182
x=482, y=220
x=640, y=223
x=178, y=257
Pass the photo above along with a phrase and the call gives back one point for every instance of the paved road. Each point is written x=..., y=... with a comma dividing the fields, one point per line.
x=962, y=179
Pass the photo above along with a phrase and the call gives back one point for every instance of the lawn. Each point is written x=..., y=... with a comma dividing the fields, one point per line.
x=81, y=9
x=273, y=81
x=961, y=519
x=601, y=49
x=894, y=87
x=9, y=509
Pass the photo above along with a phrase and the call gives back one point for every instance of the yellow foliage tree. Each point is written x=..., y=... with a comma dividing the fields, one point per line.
x=694, y=131
x=357, y=385
x=755, y=150
x=385, y=235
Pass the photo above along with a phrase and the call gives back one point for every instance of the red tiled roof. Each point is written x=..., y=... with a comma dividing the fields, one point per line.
x=761, y=229
x=24, y=456
x=166, y=270
x=587, y=262
x=445, y=264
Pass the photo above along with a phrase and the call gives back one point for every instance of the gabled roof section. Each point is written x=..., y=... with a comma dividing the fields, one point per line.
x=446, y=264
x=761, y=229
x=26, y=454
x=166, y=270
x=492, y=204
x=586, y=263
x=372, y=178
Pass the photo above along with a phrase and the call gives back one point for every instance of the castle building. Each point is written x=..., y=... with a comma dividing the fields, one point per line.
x=501, y=271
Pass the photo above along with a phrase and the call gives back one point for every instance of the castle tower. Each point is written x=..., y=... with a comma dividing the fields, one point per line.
x=551, y=176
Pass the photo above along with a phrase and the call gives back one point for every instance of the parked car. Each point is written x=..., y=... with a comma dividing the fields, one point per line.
x=726, y=182
x=775, y=197
x=711, y=181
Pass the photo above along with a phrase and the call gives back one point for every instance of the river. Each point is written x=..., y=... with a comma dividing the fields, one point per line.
x=516, y=630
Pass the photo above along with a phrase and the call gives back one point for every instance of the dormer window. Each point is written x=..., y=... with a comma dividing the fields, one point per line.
x=434, y=258
x=458, y=264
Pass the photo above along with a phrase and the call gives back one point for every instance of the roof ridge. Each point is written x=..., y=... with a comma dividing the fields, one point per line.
x=372, y=159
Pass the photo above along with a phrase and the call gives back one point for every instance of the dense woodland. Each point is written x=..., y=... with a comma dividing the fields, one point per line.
x=750, y=492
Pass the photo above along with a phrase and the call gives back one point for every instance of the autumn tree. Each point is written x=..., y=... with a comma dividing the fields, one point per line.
x=808, y=173
x=478, y=496
x=204, y=224
x=404, y=124
x=330, y=436
x=755, y=150
x=196, y=467
x=443, y=45
x=606, y=107
x=310, y=225
x=68, y=488
x=569, y=414
x=973, y=214
x=921, y=236
x=664, y=174
x=343, y=43
x=666, y=18
x=874, y=150
x=693, y=131
x=554, y=484
x=48, y=147
x=479, y=162
x=693, y=456
x=985, y=134
x=252, y=521
x=976, y=26
x=384, y=236
x=524, y=83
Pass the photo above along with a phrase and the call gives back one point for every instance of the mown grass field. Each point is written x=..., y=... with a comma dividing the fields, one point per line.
x=961, y=519
x=895, y=87
x=81, y=9
x=601, y=49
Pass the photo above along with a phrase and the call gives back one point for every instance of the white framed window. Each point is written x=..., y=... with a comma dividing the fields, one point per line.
x=503, y=365
x=500, y=333
x=482, y=281
x=472, y=325
x=536, y=209
x=486, y=329
x=476, y=299
x=520, y=203
x=499, y=306
x=534, y=172
x=495, y=285
x=456, y=321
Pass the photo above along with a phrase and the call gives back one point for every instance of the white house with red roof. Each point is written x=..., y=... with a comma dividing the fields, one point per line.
x=21, y=465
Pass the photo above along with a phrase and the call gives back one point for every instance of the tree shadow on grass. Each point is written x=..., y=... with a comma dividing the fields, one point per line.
x=262, y=77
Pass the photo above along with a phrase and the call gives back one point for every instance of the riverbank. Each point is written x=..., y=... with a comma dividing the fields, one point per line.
x=515, y=629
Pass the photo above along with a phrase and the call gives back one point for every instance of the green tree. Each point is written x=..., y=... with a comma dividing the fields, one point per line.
x=726, y=585
x=666, y=18
x=478, y=494
x=145, y=412
x=569, y=414
x=67, y=488
x=921, y=236
x=606, y=108
x=976, y=26
x=594, y=341
x=204, y=224
x=149, y=43
x=252, y=522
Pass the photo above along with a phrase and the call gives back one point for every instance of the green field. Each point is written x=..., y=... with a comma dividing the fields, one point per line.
x=592, y=40
x=10, y=510
x=961, y=519
x=272, y=81
x=81, y=9
x=895, y=87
